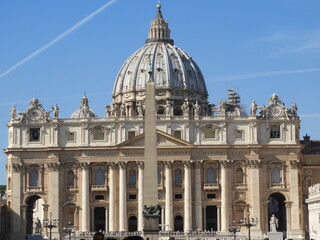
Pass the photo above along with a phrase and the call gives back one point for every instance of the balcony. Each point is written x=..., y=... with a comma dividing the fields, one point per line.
x=211, y=186
x=97, y=188
x=34, y=189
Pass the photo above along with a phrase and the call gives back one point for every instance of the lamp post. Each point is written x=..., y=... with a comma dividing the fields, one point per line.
x=50, y=223
x=69, y=229
x=247, y=222
x=234, y=229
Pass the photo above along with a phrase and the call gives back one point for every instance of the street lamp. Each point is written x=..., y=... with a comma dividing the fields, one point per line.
x=50, y=223
x=248, y=223
x=234, y=229
x=69, y=229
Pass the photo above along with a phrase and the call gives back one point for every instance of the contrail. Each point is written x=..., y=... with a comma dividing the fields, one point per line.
x=58, y=38
x=259, y=75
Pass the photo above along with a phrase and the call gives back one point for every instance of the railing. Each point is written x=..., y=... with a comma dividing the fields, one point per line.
x=99, y=188
x=211, y=186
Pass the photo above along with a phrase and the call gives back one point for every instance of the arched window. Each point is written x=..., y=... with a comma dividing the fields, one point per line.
x=34, y=178
x=178, y=176
x=9, y=182
x=276, y=175
x=178, y=223
x=239, y=176
x=100, y=177
x=70, y=178
x=132, y=177
x=132, y=224
x=211, y=175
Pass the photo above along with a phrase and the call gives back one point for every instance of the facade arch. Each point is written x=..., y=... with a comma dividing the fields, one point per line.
x=132, y=224
x=178, y=223
x=277, y=207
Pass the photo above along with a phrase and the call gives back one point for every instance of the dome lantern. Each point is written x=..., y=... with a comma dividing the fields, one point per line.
x=159, y=29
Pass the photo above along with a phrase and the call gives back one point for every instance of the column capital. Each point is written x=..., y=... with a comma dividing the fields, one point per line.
x=54, y=166
x=254, y=163
x=225, y=163
x=122, y=164
x=294, y=163
x=140, y=164
x=288, y=204
x=187, y=164
x=167, y=164
x=198, y=164
x=18, y=167
x=113, y=165
x=84, y=165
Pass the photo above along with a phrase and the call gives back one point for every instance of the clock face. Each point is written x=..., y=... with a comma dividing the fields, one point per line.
x=275, y=111
x=35, y=114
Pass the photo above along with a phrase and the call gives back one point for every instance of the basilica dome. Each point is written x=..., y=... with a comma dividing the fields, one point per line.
x=176, y=75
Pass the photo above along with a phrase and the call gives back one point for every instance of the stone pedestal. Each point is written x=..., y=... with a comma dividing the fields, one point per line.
x=275, y=235
x=151, y=225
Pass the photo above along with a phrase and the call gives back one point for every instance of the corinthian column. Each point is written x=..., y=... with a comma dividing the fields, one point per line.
x=122, y=197
x=169, y=208
x=85, y=197
x=112, y=197
x=255, y=186
x=140, y=195
x=187, y=197
x=225, y=198
x=197, y=196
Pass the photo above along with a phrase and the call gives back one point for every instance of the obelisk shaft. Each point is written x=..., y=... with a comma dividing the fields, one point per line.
x=150, y=187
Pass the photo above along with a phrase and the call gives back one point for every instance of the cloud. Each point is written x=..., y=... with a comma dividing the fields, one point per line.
x=246, y=76
x=58, y=38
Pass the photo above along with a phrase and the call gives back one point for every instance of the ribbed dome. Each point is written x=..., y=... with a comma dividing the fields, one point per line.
x=84, y=111
x=177, y=77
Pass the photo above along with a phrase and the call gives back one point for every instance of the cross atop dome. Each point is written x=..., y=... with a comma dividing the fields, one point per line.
x=159, y=30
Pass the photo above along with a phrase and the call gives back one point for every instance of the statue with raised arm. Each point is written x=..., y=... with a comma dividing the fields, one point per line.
x=55, y=110
x=253, y=108
x=273, y=223
x=13, y=112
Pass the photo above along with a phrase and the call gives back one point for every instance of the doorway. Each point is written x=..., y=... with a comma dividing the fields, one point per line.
x=277, y=207
x=211, y=218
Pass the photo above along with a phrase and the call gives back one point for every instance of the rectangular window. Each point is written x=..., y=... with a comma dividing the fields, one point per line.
x=34, y=134
x=276, y=175
x=275, y=131
x=210, y=134
x=309, y=181
x=132, y=196
x=131, y=134
x=238, y=134
x=211, y=195
x=177, y=134
x=98, y=136
x=99, y=197
x=178, y=196
x=70, y=136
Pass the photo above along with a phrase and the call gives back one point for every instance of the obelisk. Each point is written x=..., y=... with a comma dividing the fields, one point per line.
x=151, y=211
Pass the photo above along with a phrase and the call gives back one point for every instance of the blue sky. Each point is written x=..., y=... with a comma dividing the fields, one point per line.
x=256, y=47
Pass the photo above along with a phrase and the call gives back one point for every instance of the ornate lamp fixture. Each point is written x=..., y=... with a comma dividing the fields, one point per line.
x=50, y=223
x=247, y=222
x=234, y=229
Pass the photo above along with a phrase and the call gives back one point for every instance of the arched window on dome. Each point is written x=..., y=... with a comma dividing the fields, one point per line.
x=132, y=177
x=211, y=176
x=34, y=178
x=100, y=177
x=70, y=178
x=178, y=176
